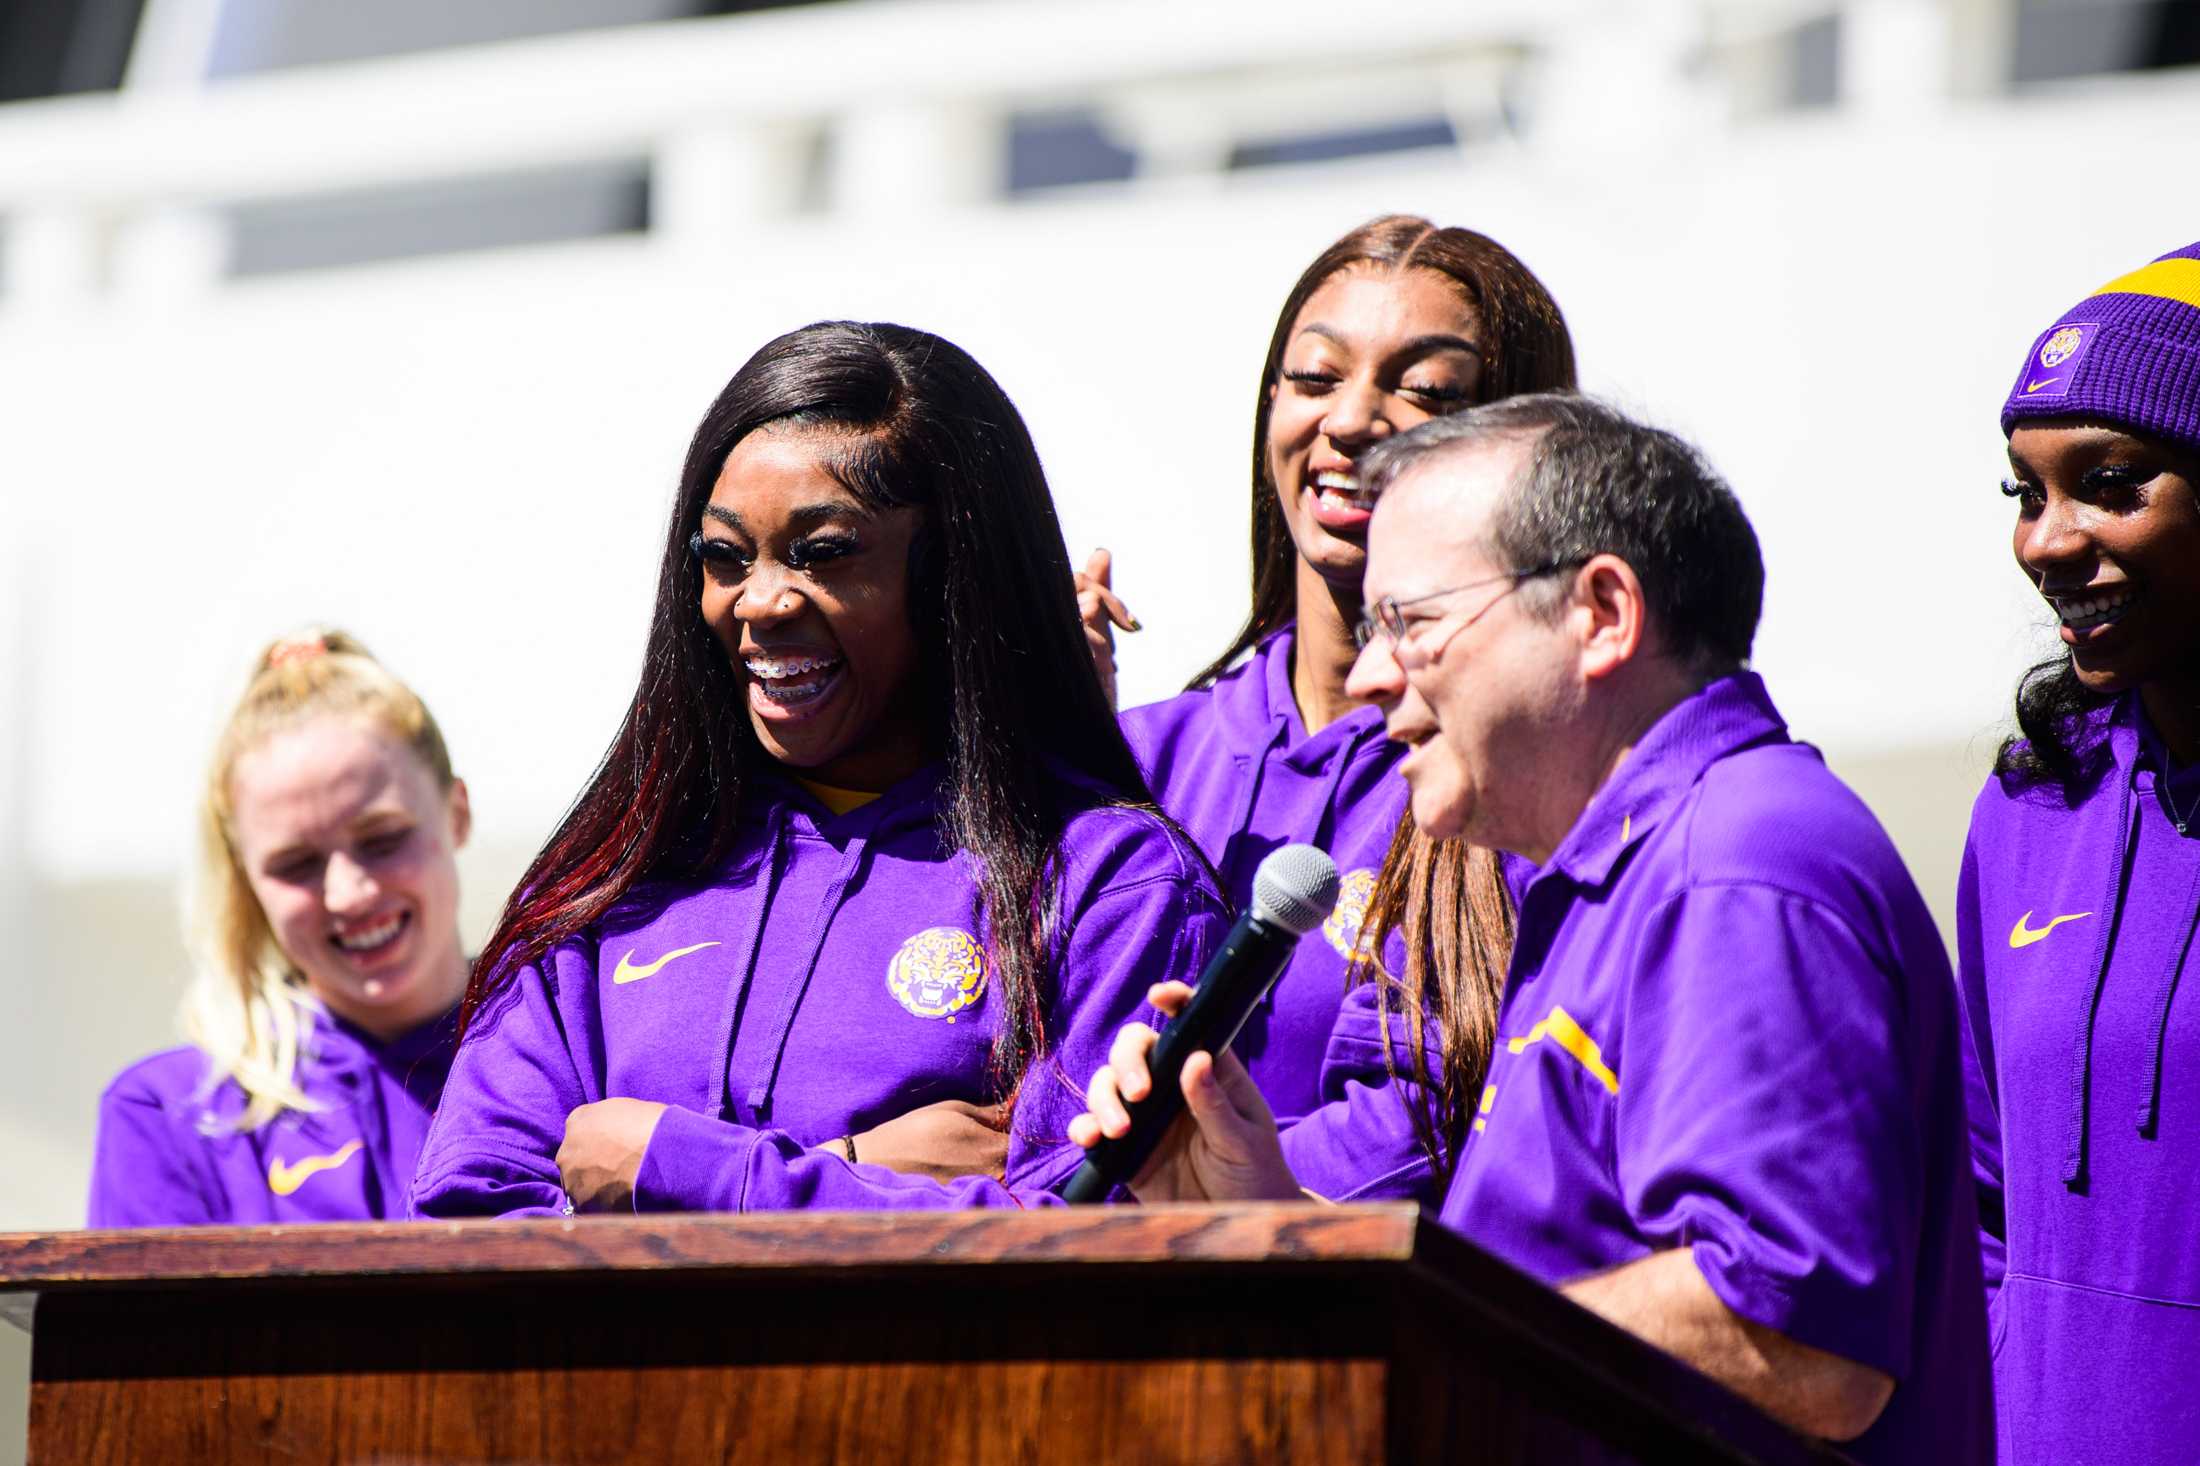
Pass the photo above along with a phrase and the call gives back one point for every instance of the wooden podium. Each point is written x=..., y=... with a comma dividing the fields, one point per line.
x=1125, y=1335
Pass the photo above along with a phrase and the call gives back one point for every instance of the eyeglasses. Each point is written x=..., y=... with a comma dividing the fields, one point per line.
x=1389, y=618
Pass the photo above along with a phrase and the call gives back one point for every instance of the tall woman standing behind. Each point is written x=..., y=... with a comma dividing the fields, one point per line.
x=2080, y=896
x=325, y=912
x=1397, y=322
x=868, y=839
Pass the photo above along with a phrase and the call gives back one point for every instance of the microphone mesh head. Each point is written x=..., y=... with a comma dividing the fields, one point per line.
x=1295, y=888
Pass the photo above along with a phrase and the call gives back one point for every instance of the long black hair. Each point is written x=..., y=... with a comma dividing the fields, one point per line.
x=1526, y=349
x=1009, y=682
x=2058, y=739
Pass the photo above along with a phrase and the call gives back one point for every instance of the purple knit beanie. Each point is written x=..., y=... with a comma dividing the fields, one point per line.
x=2128, y=354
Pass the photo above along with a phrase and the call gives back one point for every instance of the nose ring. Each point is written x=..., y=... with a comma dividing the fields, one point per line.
x=778, y=600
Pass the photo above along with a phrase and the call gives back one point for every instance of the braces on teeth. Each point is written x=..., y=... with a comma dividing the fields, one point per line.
x=774, y=670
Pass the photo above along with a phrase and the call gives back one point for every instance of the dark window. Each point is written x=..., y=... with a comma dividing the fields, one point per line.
x=1814, y=63
x=51, y=48
x=281, y=235
x=1323, y=147
x=1049, y=150
x=2060, y=38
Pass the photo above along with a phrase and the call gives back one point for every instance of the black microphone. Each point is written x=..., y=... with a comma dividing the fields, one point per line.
x=1293, y=892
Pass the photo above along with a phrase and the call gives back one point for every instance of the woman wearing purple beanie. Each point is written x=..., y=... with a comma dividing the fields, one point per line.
x=2080, y=897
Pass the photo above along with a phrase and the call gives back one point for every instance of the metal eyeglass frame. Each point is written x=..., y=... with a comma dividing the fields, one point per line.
x=1389, y=612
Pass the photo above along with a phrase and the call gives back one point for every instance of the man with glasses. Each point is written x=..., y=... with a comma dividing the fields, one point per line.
x=1724, y=1108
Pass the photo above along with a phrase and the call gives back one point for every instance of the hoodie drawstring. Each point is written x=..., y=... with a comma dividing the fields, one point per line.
x=859, y=855
x=2150, y=1108
x=1249, y=795
x=2112, y=909
x=378, y=1146
x=325, y=1049
x=1325, y=823
x=775, y=851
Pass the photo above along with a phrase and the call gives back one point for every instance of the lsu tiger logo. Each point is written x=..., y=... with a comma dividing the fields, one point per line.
x=2061, y=346
x=938, y=973
x=1342, y=929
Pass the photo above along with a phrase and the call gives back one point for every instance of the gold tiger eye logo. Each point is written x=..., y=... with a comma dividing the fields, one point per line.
x=937, y=973
x=1342, y=929
x=2061, y=346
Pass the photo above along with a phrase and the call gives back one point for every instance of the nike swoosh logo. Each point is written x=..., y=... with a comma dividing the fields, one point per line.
x=2022, y=935
x=628, y=972
x=2031, y=387
x=284, y=1178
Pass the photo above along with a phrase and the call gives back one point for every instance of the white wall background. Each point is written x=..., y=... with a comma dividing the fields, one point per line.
x=467, y=460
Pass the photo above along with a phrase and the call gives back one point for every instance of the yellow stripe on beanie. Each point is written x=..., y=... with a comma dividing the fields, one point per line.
x=2177, y=280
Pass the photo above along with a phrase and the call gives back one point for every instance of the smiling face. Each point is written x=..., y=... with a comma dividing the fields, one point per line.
x=2108, y=530
x=1477, y=684
x=350, y=847
x=1371, y=353
x=807, y=589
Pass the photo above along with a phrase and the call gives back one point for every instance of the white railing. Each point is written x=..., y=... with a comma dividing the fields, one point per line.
x=904, y=100
x=886, y=108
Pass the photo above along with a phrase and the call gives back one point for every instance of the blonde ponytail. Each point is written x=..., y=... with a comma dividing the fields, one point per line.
x=247, y=1006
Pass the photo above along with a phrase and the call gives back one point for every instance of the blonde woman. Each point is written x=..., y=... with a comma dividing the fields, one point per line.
x=325, y=916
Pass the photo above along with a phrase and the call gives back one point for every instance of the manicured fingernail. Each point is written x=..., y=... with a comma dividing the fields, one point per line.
x=1136, y=625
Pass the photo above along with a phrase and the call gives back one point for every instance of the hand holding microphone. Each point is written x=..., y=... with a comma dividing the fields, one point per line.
x=1229, y=1151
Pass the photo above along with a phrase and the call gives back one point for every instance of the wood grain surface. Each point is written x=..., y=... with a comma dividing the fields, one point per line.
x=1156, y=1335
x=665, y=1373
x=1279, y=1234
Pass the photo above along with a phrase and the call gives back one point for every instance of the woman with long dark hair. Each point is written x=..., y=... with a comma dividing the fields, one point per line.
x=2080, y=896
x=1394, y=323
x=867, y=838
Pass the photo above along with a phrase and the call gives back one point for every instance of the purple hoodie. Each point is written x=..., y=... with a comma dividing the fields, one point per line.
x=1234, y=764
x=2075, y=924
x=1730, y=1026
x=169, y=1153
x=828, y=979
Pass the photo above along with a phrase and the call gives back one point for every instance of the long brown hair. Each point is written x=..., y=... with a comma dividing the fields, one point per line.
x=1525, y=346
x=1447, y=899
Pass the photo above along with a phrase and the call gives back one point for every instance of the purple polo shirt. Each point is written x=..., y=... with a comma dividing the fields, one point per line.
x=1730, y=1026
x=169, y=1152
x=828, y=978
x=2075, y=925
x=1234, y=765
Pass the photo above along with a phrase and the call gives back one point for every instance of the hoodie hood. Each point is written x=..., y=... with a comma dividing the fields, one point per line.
x=787, y=812
x=2145, y=782
x=2086, y=906
x=1234, y=765
x=830, y=974
x=2077, y=912
x=1253, y=698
